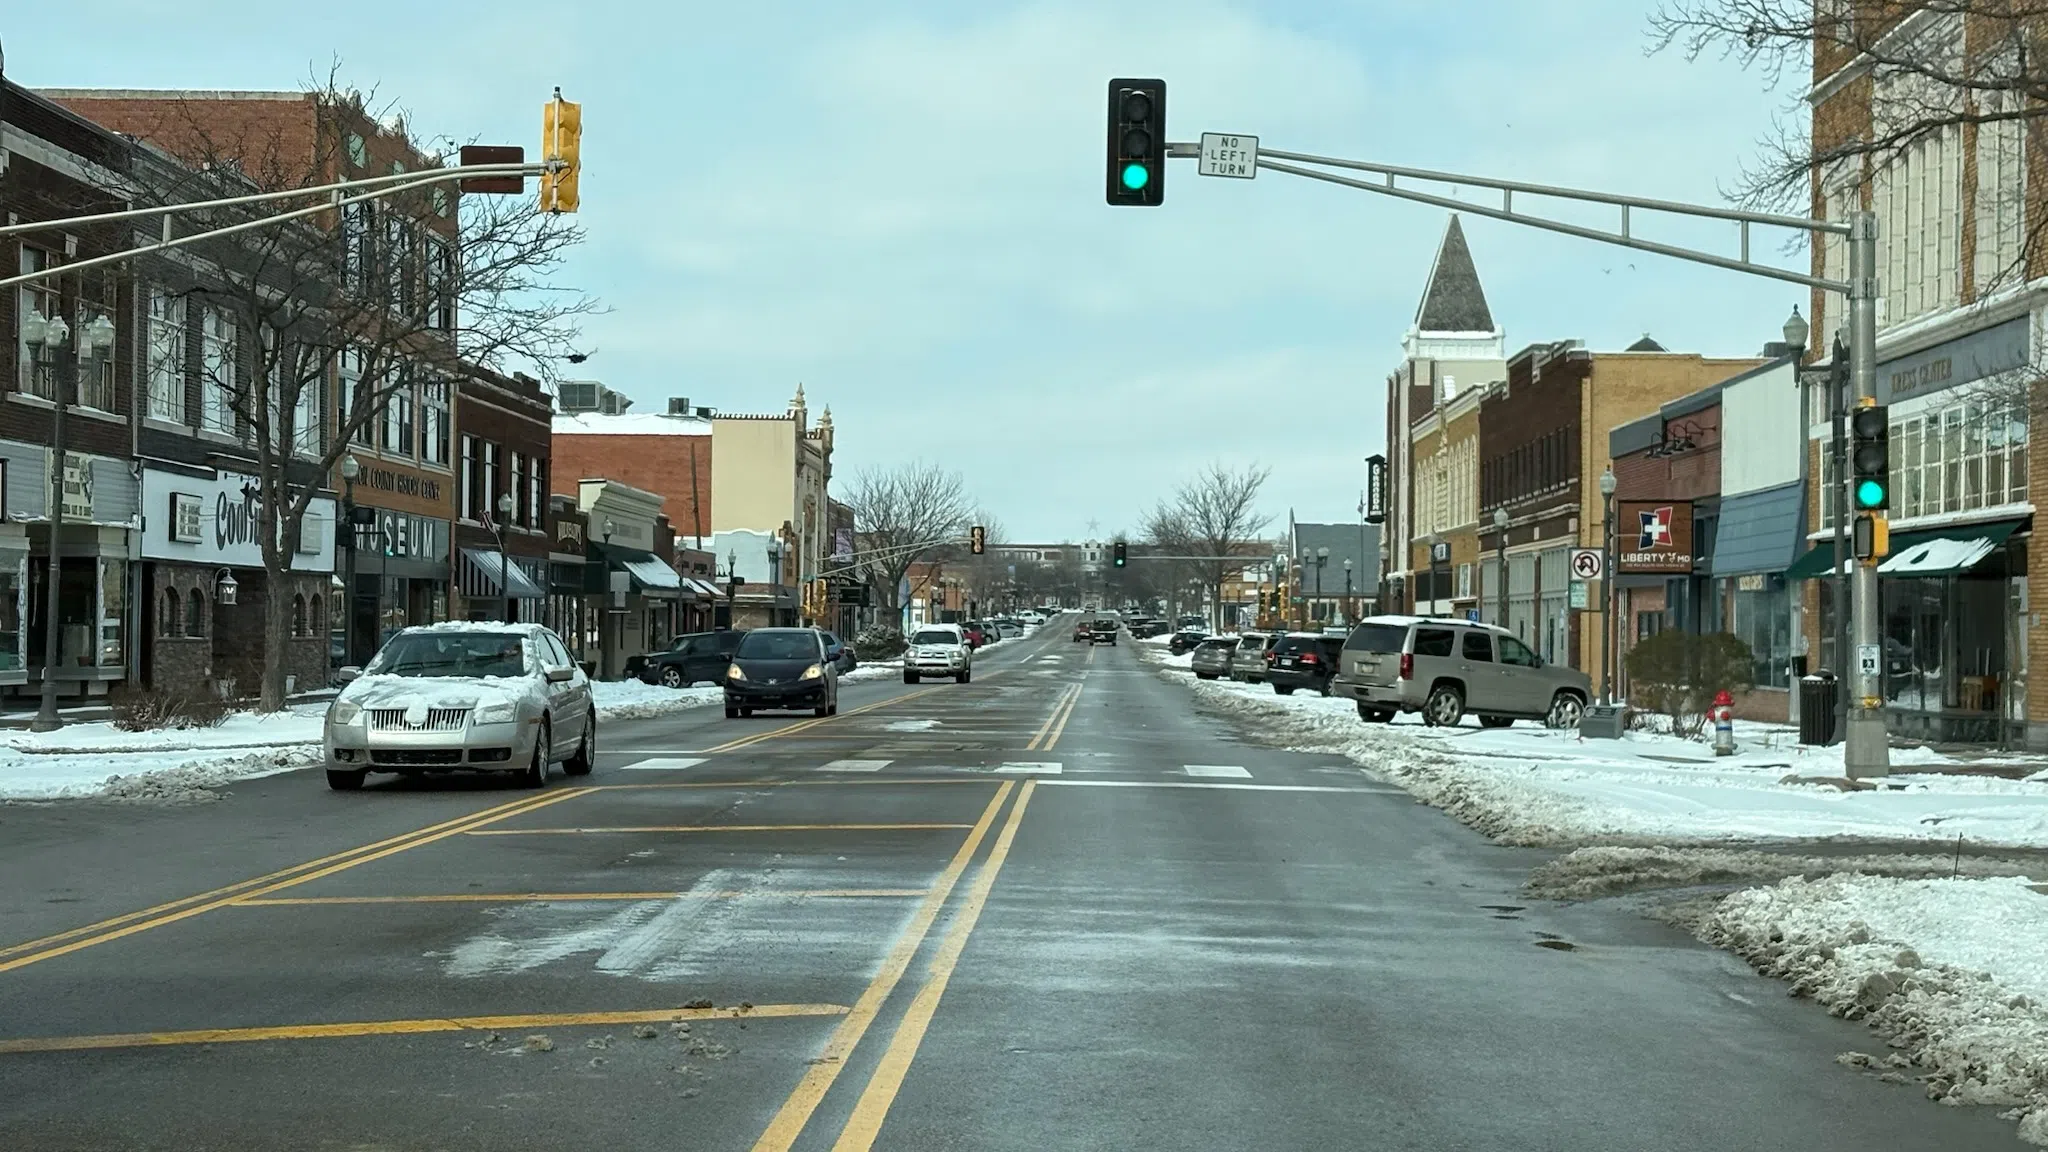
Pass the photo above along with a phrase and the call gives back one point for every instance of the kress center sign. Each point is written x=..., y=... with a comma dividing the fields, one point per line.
x=213, y=520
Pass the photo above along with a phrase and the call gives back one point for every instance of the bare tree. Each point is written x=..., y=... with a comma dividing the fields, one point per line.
x=314, y=331
x=902, y=515
x=1215, y=517
x=988, y=575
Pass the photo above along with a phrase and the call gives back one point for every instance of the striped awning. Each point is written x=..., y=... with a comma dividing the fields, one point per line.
x=482, y=575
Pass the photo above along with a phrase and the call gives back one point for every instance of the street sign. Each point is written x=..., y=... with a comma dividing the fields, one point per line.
x=1580, y=598
x=1867, y=657
x=1375, y=489
x=1587, y=563
x=1226, y=155
x=1439, y=552
x=1472, y=614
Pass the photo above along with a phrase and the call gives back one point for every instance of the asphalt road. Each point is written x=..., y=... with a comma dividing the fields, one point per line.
x=1054, y=908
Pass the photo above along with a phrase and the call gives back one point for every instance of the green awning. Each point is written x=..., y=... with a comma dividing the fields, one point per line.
x=1929, y=552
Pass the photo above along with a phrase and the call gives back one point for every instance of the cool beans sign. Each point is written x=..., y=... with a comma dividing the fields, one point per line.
x=234, y=521
x=217, y=519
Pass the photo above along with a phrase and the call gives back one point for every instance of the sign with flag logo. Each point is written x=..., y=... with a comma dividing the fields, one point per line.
x=1374, y=504
x=1653, y=536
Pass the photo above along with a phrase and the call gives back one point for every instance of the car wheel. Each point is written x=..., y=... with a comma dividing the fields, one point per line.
x=586, y=752
x=1373, y=715
x=1283, y=689
x=910, y=677
x=671, y=677
x=1444, y=707
x=822, y=710
x=1566, y=710
x=731, y=713
x=966, y=674
x=746, y=712
x=1495, y=721
x=345, y=780
x=1324, y=687
x=833, y=708
x=536, y=774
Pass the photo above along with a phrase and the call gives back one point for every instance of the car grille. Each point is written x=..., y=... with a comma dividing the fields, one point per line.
x=407, y=756
x=438, y=720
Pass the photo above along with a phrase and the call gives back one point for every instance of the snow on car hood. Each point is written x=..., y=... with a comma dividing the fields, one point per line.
x=381, y=691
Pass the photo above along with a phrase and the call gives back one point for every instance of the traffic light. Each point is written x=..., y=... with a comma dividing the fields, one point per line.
x=1119, y=555
x=1870, y=487
x=977, y=540
x=561, y=139
x=1137, y=143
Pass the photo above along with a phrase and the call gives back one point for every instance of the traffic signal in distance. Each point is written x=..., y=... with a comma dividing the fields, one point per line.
x=1119, y=554
x=561, y=139
x=977, y=539
x=1870, y=485
x=1137, y=143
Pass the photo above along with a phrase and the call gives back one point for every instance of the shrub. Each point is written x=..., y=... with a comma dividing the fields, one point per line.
x=879, y=642
x=155, y=709
x=1678, y=674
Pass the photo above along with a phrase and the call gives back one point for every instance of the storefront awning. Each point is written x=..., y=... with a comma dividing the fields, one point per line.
x=1929, y=552
x=482, y=575
x=650, y=575
x=709, y=590
x=1944, y=551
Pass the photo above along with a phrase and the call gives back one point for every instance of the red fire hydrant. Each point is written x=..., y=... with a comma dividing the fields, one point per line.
x=1723, y=716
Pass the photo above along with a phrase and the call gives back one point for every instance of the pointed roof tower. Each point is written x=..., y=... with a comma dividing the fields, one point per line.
x=1453, y=301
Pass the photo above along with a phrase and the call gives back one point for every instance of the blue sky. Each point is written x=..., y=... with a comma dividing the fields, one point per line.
x=900, y=205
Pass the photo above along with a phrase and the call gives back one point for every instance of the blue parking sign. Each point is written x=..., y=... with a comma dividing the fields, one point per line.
x=1472, y=614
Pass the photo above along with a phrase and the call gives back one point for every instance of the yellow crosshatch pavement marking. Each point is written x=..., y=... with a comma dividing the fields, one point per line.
x=573, y=897
x=716, y=828
x=408, y=1027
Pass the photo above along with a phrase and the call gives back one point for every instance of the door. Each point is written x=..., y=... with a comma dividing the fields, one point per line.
x=1485, y=690
x=1529, y=687
x=568, y=700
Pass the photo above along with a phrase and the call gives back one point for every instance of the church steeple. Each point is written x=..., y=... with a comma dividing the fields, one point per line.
x=1453, y=301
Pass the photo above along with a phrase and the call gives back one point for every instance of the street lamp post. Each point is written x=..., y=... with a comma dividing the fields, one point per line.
x=505, y=505
x=1350, y=609
x=1610, y=643
x=1500, y=593
x=1322, y=559
x=50, y=334
x=351, y=468
x=1436, y=585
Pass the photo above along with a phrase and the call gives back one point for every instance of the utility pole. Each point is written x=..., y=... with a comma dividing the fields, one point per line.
x=1838, y=496
x=65, y=373
x=1866, y=751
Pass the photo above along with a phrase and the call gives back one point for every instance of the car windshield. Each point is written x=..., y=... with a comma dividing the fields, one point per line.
x=778, y=646
x=934, y=636
x=1252, y=642
x=452, y=654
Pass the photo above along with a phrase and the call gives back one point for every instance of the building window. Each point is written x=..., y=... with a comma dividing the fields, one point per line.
x=518, y=490
x=299, y=616
x=491, y=482
x=1961, y=457
x=1761, y=617
x=536, y=495
x=348, y=365
x=218, y=361
x=434, y=422
x=38, y=369
x=1917, y=192
x=358, y=225
x=195, y=614
x=440, y=269
x=471, y=482
x=166, y=356
x=398, y=265
x=316, y=617
x=399, y=439
x=309, y=431
x=167, y=623
x=2001, y=186
x=96, y=370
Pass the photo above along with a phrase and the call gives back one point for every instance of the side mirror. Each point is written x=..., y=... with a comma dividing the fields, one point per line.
x=561, y=675
x=347, y=675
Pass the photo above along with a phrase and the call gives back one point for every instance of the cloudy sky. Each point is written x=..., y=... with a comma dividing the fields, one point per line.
x=899, y=204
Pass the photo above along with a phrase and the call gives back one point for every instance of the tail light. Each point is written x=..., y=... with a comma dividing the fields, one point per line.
x=1407, y=666
x=1309, y=658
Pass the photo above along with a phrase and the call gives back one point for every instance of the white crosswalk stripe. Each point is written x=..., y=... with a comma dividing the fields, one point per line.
x=662, y=763
x=1038, y=767
x=855, y=765
x=1230, y=771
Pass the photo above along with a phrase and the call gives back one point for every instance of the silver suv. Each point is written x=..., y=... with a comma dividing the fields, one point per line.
x=1446, y=668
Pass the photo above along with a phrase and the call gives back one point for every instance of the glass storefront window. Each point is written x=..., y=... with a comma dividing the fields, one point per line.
x=113, y=612
x=13, y=571
x=1762, y=619
x=1945, y=644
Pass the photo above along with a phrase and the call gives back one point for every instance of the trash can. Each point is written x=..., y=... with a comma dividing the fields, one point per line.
x=1817, y=704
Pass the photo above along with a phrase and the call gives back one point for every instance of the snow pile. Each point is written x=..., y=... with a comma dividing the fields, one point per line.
x=1591, y=873
x=633, y=700
x=1531, y=785
x=1952, y=973
x=879, y=670
x=1181, y=663
x=299, y=724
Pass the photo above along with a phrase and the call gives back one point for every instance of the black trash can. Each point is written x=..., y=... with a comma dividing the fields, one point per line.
x=1817, y=703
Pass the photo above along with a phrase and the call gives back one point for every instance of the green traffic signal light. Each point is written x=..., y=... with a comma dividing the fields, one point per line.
x=1136, y=176
x=1869, y=494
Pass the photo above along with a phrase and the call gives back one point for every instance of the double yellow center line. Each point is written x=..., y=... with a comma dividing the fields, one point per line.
x=1056, y=723
x=63, y=943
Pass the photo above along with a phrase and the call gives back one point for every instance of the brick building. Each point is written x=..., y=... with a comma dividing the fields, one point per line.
x=1963, y=282
x=502, y=487
x=668, y=454
x=1443, y=454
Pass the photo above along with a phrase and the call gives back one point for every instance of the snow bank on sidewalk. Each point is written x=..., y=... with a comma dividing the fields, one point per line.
x=1951, y=973
x=633, y=700
x=1527, y=784
x=879, y=670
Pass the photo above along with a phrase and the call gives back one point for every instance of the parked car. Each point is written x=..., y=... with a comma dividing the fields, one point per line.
x=1303, y=660
x=781, y=668
x=938, y=650
x=1211, y=660
x=1008, y=629
x=1445, y=669
x=976, y=633
x=1248, y=659
x=839, y=652
x=1193, y=620
x=1186, y=640
x=468, y=696
x=1102, y=631
x=690, y=659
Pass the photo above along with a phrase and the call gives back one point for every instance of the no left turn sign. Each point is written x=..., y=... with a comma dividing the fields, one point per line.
x=1586, y=563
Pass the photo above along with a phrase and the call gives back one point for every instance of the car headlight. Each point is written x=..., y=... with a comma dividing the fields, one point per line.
x=343, y=713
x=813, y=672
x=732, y=672
x=503, y=712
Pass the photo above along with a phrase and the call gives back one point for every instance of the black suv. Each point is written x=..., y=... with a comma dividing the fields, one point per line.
x=1102, y=632
x=699, y=656
x=1303, y=660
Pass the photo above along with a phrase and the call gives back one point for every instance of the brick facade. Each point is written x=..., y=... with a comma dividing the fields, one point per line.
x=659, y=464
x=225, y=643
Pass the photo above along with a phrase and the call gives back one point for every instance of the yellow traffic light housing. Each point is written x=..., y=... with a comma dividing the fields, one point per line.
x=977, y=540
x=561, y=147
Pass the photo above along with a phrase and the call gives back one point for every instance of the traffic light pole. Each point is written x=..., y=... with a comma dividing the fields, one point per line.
x=1866, y=752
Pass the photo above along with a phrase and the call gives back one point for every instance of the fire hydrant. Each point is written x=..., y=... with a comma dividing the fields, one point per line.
x=1723, y=716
